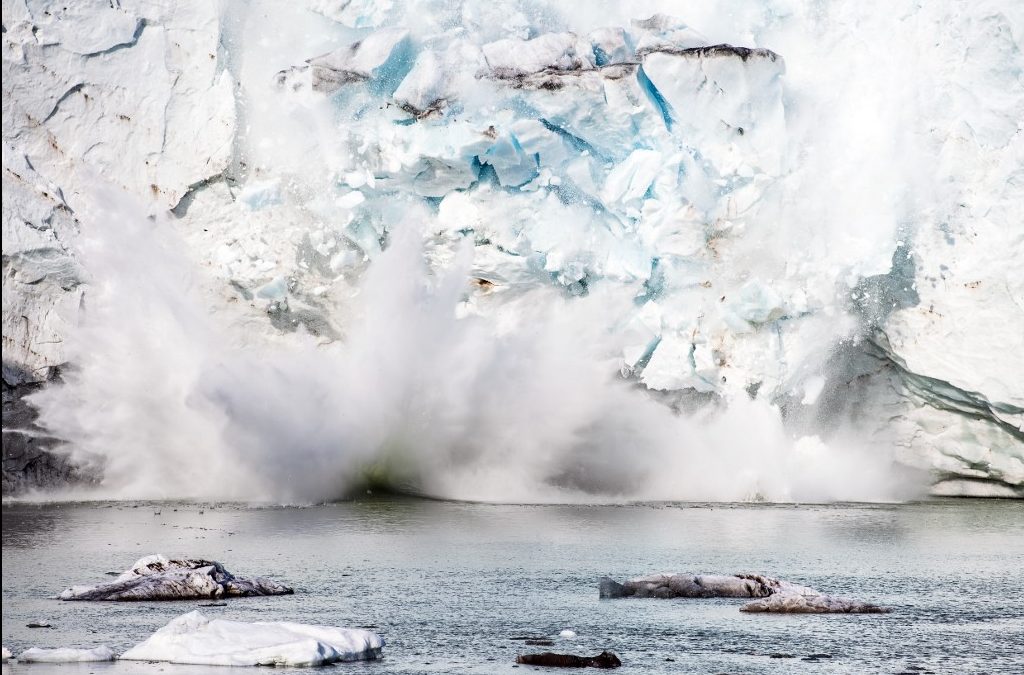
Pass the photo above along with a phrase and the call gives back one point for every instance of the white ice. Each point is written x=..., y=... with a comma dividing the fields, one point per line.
x=196, y=640
x=65, y=655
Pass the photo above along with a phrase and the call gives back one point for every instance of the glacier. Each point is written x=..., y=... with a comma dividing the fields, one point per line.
x=512, y=251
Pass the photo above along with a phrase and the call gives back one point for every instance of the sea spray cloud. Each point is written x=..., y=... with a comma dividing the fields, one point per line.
x=172, y=397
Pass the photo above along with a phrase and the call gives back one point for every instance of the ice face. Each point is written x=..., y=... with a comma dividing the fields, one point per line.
x=753, y=223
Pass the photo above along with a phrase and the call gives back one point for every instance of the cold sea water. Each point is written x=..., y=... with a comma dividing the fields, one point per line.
x=451, y=586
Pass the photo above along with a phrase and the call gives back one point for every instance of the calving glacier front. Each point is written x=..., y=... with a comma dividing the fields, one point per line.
x=701, y=270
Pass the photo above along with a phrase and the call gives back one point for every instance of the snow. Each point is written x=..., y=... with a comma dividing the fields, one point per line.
x=65, y=655
x=196, y=640
x=156, y=577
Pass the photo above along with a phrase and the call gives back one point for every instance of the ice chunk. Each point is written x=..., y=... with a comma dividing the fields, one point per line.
x=812, y=389
x=512, y=166
x=196, y=640
x=355, y=13
x=156, y=577
x=774, y=595
x=425, y=86
x=629, y=182
x=5, y=653
x=89, y=28
x=510, y=58
x=610, y=45
x=274, y=290
x=383, y=56
x=604, y=660
x=260, y=194
x=699, y=586
x=798, y=603
x=65, y=655
x=758, y=303
x=662, y=32
x=730, y=97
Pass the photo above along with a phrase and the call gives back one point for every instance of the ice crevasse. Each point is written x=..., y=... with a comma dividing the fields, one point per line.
x=791, y=220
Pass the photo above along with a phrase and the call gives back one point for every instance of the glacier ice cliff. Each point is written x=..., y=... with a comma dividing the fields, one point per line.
x=745, y=216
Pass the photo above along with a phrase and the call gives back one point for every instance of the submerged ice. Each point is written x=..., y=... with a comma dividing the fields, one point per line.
x=523, y=253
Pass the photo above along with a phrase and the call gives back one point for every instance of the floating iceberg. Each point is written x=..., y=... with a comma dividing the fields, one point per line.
x=698, y=586
x=5, y=653
x=800, y=603
x=605, y=659
x=64, y=655
x=156, y=577
x=773, y=595
x=194, y=639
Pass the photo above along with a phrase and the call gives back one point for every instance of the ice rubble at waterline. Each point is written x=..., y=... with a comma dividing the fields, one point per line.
x=717, y=224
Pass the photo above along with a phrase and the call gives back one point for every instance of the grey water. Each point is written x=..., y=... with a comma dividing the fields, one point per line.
x=451, y=585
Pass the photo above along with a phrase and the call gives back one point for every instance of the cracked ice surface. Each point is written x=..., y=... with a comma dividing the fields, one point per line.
x=788, y=217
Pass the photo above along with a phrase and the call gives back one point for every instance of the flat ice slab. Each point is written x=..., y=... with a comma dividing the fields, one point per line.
x=699, y=586
x=156, y=577
x=196, y=640
x=64, y=655
x=796, y=603
x=771, y=595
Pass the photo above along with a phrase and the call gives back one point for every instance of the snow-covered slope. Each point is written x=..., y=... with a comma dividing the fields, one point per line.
x=799, y=230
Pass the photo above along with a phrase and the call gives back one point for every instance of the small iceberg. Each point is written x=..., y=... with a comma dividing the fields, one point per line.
x=605, y=659
x=156, y=577
x=796, y=603
x=194, y=639
x=699, y=586
x=770, y=594
x=64, y=655
x=5, y=653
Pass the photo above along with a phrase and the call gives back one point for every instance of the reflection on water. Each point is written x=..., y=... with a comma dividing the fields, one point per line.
x=449, y=584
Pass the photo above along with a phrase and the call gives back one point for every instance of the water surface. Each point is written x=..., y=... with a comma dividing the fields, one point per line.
x=449, y=585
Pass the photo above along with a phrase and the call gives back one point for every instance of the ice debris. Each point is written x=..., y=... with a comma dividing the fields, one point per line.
x=156, y=577
x=773, y=595
x=605, y=659
x=800, y=603
x=196, y=640
x=64, y=655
